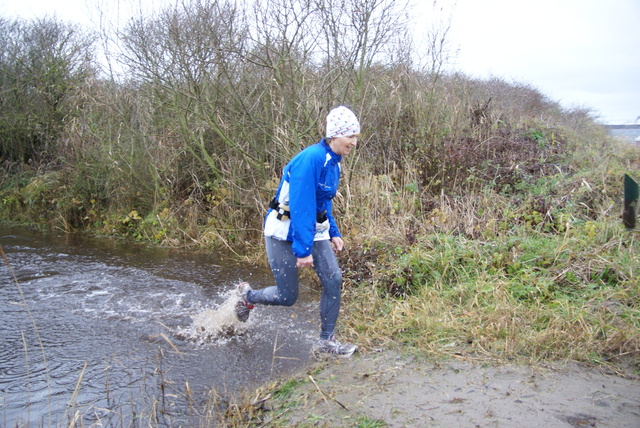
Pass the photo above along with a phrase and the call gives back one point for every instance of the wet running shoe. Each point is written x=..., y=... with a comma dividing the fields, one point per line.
x=243, y=307
x=332, y=348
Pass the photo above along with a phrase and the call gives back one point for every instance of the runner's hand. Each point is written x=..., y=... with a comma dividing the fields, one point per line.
x=338, y=243
x=305, y=261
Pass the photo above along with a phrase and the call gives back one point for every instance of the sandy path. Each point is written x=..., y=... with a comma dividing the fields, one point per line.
x=406, y=393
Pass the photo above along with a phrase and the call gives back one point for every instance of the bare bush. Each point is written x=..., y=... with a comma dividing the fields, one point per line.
x=42, y=64
x=217, y=96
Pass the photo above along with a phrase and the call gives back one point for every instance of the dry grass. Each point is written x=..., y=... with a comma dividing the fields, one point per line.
x=543, y=271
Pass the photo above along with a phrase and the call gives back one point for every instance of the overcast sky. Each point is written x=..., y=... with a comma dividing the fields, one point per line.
x=578, y=52
x=581, y=53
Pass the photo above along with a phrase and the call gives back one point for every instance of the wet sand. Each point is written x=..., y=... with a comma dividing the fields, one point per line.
x=404, y=392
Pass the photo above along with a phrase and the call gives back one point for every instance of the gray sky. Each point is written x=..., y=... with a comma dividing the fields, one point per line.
x=582, y=53
x=579, y=52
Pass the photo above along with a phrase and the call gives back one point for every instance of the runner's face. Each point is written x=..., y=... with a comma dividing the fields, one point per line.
x=342, y=145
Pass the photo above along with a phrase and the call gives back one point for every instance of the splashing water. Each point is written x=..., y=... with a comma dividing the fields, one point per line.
x=115, y=309
x=216, y=323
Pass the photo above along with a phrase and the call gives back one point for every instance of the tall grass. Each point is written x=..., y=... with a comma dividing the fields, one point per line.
x=543, y=271
x=217, y=99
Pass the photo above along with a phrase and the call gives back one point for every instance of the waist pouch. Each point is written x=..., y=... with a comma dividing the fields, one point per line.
x=284, y=212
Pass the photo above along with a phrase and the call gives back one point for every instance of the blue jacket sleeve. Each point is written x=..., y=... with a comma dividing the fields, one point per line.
x=303, y=178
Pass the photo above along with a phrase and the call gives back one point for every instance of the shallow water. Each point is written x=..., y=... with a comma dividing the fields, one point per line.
x=628, y=135
x=118, y=333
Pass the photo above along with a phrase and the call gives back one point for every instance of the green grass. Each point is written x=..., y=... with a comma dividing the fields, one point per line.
x=367, y=422
x=524, y=295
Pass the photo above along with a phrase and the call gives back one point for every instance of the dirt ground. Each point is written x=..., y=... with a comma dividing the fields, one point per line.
x=384, y=389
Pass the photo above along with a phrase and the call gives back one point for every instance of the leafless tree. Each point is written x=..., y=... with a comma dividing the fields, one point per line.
x=42, y=62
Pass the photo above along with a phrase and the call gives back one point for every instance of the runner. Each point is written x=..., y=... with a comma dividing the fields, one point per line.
x=300, y=230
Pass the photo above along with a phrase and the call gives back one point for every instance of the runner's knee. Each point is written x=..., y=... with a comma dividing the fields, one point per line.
x=288, y=298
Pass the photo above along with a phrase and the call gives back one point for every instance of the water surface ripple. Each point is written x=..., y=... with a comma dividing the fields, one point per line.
x=107, y=327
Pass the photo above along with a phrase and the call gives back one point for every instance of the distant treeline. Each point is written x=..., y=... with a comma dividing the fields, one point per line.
x=623, y=126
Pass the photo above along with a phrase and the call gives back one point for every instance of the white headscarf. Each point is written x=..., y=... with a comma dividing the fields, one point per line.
x=342, y=122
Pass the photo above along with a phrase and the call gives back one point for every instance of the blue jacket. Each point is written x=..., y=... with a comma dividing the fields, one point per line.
x=308, y=185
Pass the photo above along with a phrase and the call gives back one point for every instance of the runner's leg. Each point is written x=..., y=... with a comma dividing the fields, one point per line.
x=283, y=265
x=326, y=266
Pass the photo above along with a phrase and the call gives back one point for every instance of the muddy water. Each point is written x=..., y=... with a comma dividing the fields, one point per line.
x=122, y=334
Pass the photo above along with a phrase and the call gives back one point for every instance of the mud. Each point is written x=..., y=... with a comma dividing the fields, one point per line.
x=383, y=389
